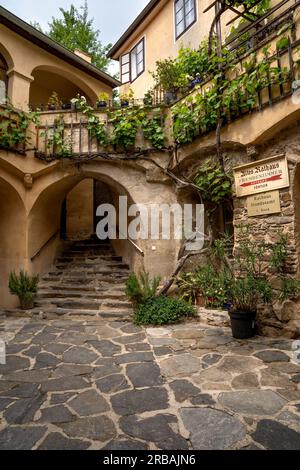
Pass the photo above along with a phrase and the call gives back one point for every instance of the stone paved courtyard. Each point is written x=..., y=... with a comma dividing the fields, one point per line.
x=93, y=384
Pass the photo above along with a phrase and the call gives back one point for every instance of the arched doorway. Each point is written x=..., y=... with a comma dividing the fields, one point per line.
x=66, y=211
x=3, y=80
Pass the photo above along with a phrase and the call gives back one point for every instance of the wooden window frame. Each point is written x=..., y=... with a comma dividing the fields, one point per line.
x=142, y=41
x=186, y=28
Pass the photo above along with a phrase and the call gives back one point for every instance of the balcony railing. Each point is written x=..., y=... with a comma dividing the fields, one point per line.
x=274, y=83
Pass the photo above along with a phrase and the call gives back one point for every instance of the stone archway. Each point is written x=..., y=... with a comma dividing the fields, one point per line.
x=45, y=217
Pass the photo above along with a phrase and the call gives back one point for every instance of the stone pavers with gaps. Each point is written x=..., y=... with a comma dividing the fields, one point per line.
x=77, y=383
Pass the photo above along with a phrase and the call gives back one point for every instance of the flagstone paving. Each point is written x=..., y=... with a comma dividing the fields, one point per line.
x=95, y=384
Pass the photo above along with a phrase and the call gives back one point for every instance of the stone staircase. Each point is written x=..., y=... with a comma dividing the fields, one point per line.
x=88, y=280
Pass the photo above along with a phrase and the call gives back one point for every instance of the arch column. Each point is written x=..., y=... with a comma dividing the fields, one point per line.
x=19, y=89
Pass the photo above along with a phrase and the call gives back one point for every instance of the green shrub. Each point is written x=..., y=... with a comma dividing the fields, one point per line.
x=140, y=288
x=24, y=286
x=162, y=310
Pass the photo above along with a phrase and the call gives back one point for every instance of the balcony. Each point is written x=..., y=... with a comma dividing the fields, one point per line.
x=259, y=67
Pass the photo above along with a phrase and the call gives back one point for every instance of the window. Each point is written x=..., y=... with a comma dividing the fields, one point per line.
x=125, y=68
x=133, y=63
x=185, y=15
x=3, y=80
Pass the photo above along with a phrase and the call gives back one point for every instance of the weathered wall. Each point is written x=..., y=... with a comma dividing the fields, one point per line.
x=80, y=210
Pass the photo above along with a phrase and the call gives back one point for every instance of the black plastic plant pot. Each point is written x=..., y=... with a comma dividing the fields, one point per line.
x=102, y=104
x=242, y=324
x=66, y=106
x=170, y=97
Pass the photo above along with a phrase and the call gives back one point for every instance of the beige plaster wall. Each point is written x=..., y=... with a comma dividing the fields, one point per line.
x=25, y=58
x=80, y=210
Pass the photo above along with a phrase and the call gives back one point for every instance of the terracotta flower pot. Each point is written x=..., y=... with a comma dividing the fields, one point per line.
x=200, y=300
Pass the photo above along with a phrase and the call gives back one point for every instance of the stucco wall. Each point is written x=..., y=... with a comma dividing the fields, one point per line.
x=24, y=59
x=80, y=210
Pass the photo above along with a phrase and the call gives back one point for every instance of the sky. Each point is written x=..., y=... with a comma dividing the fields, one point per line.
x=111, y=17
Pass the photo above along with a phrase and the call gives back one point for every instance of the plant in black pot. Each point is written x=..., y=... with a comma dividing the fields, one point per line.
x=149, y=98
x=246, y=293
x=54, y=101
x=127, y=98
x=25, y=287
x=170, y=77
x=103, y=99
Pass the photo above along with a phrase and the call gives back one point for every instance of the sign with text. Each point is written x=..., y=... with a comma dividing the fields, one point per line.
x=263, y=204
x=261, y=176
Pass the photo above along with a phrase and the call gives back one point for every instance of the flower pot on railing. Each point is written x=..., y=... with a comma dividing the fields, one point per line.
x=102, y=104
x=170, y=97
x=66, y=106
x=195, y=82
x=242, y=324
x=124, y=104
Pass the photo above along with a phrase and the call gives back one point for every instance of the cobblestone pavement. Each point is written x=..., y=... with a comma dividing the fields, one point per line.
x=91, y=384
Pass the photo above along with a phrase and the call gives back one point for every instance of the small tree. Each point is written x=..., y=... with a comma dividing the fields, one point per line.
x=75, y=30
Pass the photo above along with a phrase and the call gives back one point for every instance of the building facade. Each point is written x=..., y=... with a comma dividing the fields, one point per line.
x=46, y=199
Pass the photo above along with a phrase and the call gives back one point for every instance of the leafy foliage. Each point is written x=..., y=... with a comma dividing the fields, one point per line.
x=170, y=75
x=162, y=310
x=14, y=127
x=57, y=142
x=154, y=131
x=95, y=126
x=125, y=127
x=23, y=285
x=226, y=97
x=214, y=183
x=75, y=30
x=141, y=288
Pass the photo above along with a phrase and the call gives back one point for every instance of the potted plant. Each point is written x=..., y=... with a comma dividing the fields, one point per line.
x=170, y=77
x=127, y=98
x=148, y=98
x=246, y=293
x=25, y=287
x=103, y=99
x=67, y=105
x=54, y=102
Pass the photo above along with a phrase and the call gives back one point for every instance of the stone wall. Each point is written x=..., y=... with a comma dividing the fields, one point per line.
x=280, y=318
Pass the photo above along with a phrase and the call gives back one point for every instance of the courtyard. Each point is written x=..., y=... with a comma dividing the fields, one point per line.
x=98, y=384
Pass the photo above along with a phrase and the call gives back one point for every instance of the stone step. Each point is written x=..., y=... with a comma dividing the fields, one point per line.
x=88, y=254
x=65, y=294
x=61, y=286
x=99, y=268
x=84, y=304
x=92, y=264
x=67, y=257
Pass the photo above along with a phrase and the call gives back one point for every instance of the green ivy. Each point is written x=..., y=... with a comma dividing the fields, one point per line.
x=153, y=130
x=125, y=127
x=14, y=128
x=95, y=126
x=213, y=182
x=57, y=142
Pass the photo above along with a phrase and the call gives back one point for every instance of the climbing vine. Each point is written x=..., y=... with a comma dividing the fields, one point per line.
x=14, y=126
x=59, y=144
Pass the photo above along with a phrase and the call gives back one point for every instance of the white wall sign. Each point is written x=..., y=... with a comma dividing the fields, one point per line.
x=261, y=176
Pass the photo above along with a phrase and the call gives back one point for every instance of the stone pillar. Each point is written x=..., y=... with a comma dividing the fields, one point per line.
x=19, y=89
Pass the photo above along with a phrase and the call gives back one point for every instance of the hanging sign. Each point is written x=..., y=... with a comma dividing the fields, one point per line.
x=261, y=176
